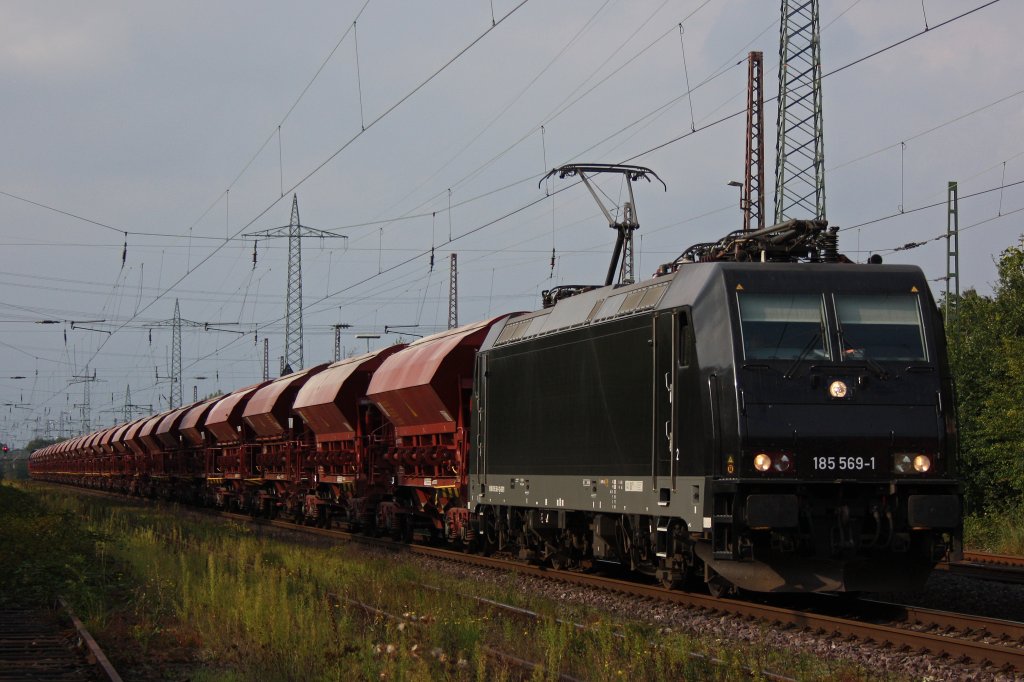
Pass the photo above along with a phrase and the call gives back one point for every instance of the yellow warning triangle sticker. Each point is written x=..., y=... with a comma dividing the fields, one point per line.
x=913, y=290
x=739, y=287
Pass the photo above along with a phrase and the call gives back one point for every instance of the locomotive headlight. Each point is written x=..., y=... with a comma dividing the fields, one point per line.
x=838, y=389
x=762, y=462
x=922, y=463
x=783, y=463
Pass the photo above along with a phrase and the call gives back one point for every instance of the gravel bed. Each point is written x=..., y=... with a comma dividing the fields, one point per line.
x=876, y=660
x=948, y=592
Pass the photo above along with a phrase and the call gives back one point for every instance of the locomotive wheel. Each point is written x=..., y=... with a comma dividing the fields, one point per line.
x=669, y=579
x=489, y=534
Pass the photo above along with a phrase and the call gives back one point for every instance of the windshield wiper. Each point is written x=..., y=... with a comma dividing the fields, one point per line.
x=803, y=355
x=871, y=363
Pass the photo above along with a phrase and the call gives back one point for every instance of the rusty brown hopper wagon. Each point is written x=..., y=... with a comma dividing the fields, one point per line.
x=346, y=431
x=424, y=391
x=280, y=436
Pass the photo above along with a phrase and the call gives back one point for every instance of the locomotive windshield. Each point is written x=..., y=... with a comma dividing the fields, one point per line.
x=881, y=327
x=782, y=326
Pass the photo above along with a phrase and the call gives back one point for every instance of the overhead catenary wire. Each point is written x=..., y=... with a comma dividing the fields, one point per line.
x=501, y=113
x=898, y=214
x=837, y=72
x=686, y=74
x=718, y=121
x=359, y=78
x=294, y=104
x=687, y=94
x=707, y=126
x=484, y=195
x=566, y=103
x=558, y=111
x=338, y=151
x=913, y=245
x=928, y=131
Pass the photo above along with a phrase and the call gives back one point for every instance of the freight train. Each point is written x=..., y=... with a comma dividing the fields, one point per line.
x=762, y=414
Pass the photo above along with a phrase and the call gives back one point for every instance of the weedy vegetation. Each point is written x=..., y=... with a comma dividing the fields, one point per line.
x=174, y=595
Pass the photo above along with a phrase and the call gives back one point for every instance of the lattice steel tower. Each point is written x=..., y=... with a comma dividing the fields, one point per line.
x=453, y=294
x=295, y=231
x=176, y=379
x=800, y=150
x=130, y=408
x=753, y=176
x=952, y=253
x=86, y=405
x=293, y=320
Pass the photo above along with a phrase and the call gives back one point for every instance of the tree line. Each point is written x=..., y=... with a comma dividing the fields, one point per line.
x=985, y=335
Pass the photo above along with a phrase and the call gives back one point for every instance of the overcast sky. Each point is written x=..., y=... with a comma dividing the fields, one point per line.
x=190, y=124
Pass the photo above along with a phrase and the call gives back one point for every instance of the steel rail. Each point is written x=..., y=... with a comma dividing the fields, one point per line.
x=983, y=566
x=36, y=644
x=536, y=617
x=95, y=652
x=489, y=651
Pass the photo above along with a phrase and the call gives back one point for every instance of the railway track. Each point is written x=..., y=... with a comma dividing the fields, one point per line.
x=516, y=612
x=528, y=668
x=39, y=644
x=982, y=566
x=953, y=636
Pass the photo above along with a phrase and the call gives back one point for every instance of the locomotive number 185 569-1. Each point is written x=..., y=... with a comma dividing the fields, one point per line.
x=844, y=463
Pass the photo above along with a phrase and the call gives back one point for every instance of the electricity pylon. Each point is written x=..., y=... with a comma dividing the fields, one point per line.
x=295, y=231
x=800, y=150
x=453, y=294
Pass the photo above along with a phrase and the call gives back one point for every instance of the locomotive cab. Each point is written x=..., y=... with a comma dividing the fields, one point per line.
x=835, y=464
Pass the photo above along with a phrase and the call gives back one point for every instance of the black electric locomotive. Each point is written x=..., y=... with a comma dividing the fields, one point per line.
x=743, y=418
x=761, y=414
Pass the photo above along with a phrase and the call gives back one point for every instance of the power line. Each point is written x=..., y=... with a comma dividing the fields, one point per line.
x=62, y=212
x=911, y=37
x=880, y=219
x=319, y=167
x=511, y=213
x=560, y=110
x=634, y=157
x=928, y=131
x=277, y=129
x=913, y=245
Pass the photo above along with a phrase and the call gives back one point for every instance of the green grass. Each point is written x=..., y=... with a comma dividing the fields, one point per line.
x=997, y=532
x=45, y=552
x=171, y=597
